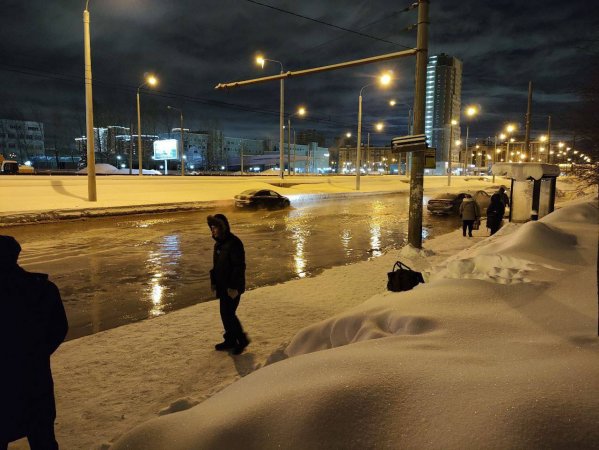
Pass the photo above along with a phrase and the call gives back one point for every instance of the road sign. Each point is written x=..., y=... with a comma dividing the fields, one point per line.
x=411, y=143
x=430, y=158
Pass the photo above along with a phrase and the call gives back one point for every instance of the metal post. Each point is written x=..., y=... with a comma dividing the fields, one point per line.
x=549, y=157
x=130, y=148
x=494, y=157
x=450, y=154
x=289, y=146
x=417, y=173
x=527, y=148
x=467, y=157
x=182, y=148
x=139, y=148
x=359, y=143
x=281, y=136
x=89, y=109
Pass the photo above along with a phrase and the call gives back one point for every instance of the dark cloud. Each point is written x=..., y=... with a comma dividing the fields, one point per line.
x=193, y=45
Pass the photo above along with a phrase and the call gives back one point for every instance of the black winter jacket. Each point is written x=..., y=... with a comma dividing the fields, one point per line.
x=33, y=324
x=228, y=271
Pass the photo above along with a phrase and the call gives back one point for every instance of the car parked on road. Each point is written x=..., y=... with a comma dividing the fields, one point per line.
x=261, y=198
x=449, y=203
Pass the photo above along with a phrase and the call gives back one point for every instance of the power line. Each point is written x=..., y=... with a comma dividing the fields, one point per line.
x=163, y=94
x=321, y=22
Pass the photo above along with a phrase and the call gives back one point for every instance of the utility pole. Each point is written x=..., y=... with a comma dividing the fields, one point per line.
x=549, y=157
x=528, y=118
x=417, y=172
x=89, y=111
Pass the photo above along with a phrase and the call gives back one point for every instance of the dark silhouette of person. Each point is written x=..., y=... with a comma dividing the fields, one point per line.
x=503, y=196
x=227, y=278
x=469, y=212
x=495, y=213
x=33, y=324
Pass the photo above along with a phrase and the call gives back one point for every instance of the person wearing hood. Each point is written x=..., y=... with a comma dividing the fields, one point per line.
x=469, y=212
x=227, y=278
x=33, y=324
x=495, y=213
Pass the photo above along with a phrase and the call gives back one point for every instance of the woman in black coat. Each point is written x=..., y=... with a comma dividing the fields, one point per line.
x=495, y=213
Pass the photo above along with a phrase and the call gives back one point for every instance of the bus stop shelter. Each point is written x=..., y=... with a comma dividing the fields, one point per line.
x=532, y=193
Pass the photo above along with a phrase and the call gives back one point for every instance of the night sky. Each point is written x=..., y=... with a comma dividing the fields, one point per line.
x=193, y=45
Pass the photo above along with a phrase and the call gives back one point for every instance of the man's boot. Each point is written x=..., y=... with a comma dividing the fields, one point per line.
x=228, y=344
x=242, y=343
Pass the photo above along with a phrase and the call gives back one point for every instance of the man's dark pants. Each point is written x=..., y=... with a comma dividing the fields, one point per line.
x=228, y=306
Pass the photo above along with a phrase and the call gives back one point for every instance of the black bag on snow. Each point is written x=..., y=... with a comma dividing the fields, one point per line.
x=402, y=278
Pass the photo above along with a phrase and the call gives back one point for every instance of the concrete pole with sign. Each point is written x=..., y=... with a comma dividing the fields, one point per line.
x=417, y=173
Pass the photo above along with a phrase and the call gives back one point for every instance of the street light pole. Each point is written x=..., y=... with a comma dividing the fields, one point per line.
x=281, y=135
x=182, y=150
x=359, y=143
x=451, y=125
x=417, y=172
x=151, y=80
x=89, y=110
x=139, y=148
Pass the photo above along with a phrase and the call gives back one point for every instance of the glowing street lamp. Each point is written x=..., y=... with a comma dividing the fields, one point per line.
x=261, y=61
x=384, y=80
x=471, y=111
x=150, y=80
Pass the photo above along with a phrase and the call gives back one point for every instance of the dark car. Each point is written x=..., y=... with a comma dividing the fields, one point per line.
x=449, y=203
x=261, y=198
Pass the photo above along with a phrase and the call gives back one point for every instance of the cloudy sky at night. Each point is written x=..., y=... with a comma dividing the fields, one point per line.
x=193, y=45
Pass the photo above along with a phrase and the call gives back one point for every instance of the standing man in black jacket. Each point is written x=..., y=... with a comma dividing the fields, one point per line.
x=32, y=326
x=228, y=281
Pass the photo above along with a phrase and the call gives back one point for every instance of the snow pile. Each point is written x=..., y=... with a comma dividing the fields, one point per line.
x=498, y=350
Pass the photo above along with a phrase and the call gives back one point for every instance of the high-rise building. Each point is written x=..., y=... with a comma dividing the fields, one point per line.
x=443, y=103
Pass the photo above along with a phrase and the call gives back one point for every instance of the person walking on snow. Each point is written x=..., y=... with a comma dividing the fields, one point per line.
x=504, y=197
x=32, y=326
x=227, y=278
x=495, y=213
x=469, y=212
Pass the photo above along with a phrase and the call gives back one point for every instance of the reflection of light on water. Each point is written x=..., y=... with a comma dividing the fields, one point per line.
x=298, y=226
x=375, y=239
x=375, y=228
x=157, y=290
x=160, y=264
x=345, y=240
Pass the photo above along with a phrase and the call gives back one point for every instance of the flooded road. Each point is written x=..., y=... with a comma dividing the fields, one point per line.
x=118, y=270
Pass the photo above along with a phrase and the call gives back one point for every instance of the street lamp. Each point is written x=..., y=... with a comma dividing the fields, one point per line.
x=384, y=80
x=471, y=111
x=452, y=124
x=182, y=151
x=152, y=81
x=301, y=111
x=89, y=110
x=260, y=60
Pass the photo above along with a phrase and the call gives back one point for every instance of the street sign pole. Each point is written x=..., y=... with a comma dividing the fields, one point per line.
x=417, y=173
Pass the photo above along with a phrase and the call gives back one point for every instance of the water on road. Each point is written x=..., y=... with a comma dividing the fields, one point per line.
x=118, y=270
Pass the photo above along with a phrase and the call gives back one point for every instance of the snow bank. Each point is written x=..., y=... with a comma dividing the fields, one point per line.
x=498, y=350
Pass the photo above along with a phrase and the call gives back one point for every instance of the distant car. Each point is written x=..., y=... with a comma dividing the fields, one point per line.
x=261, y=198
x=449, y=203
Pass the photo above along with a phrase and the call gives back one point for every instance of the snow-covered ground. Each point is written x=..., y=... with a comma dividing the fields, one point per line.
x=498, y=349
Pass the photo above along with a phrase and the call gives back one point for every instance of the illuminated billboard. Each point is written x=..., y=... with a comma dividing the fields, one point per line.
x=166, y=149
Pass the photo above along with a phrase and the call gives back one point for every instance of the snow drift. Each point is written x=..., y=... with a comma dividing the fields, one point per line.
x=498, y=350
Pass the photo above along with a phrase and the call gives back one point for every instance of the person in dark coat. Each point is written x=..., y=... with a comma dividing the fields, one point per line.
x=228, y=281
x=495, y=213
x=504, y=197
x=469, y=212
x=33, y=324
